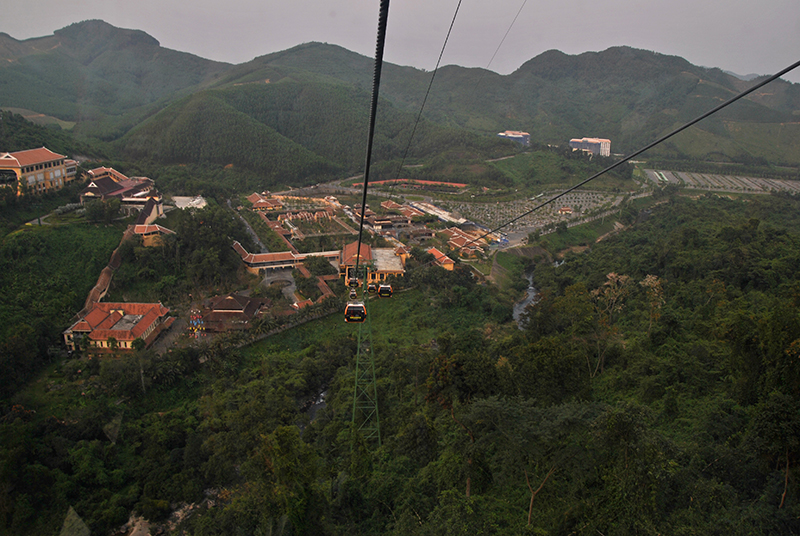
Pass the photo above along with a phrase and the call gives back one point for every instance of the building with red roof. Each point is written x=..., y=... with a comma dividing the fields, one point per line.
x=467, y=244
x=257, y=262
x=110, y=326
x=383, y=262
x=150, y=232
x=108, y=183
x=36, y=170
x=442, y=260
x=262, y=202
x=232, y=312
x=349, y=255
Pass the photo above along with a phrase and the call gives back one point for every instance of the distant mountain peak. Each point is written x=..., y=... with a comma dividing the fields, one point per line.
x=745, y=77
x=96, y=30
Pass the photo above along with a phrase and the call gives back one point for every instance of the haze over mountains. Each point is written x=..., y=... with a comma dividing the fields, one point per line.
x=303, y=111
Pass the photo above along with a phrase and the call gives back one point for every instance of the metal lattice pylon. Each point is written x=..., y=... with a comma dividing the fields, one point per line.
x=365, y=395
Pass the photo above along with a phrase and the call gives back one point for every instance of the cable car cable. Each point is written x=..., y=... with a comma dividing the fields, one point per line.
x=498, y=46
x=365, y=401
x=376, y=82
x=425, y=99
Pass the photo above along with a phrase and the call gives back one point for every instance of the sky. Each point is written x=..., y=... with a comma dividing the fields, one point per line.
x=742, y=36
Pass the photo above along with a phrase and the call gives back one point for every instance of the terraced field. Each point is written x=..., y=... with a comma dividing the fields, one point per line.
x=722, y=183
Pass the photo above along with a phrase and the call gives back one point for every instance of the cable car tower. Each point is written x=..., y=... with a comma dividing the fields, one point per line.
x=365, y=393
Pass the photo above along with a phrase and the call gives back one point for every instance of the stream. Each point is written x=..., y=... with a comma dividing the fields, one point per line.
x=520, y=306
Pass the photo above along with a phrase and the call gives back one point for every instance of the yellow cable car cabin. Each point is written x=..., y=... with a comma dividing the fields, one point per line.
x=385, y=291
x=355, y=312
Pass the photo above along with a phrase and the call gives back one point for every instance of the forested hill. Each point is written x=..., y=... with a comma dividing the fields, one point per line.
x=630, y=96
x=121, y=86
x=91, y=70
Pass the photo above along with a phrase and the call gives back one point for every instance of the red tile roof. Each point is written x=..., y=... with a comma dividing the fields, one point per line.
x=440, y=257
x=254, y=258
x=390, y=205
x=410, y=212
x=147, y=229
x=34, y=156
x=267, y=203
x=348, y=256
x=101, y=320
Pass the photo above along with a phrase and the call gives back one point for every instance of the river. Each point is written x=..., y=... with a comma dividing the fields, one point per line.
x=520, y=306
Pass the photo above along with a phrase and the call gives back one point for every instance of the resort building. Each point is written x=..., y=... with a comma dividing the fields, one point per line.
x=231, y=312
x=523, y=138
x=150, y=232
x=263, y=202
x=114, y=326
x=442, y=260
x=599, y=146
x=382, y=262
x=257, y=262
x=36, y=171
x=467, y=244
x=108, y=183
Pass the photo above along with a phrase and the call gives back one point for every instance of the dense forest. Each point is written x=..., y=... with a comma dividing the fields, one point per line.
x=654, y=389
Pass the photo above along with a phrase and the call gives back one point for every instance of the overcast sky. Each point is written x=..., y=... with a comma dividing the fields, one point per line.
x=743, y=36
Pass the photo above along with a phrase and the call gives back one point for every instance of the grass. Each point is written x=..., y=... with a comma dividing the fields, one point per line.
x=269, y=237
x=508, y=261
x=544, y=170
x=580, y=235
x=51, y=393
x=41, y=119
x=404, y=320
x=482, y=266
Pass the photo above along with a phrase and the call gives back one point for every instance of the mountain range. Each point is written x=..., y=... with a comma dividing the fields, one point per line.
x=302, y=112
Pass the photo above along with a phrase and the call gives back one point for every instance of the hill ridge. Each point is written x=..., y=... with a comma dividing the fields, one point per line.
x=115, y=81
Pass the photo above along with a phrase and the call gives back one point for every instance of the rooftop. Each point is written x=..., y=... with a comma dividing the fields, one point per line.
x=30, y=157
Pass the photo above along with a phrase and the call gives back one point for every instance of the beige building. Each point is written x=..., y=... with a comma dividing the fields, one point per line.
x=36, y=170
x=382, y=262
x=442, y=260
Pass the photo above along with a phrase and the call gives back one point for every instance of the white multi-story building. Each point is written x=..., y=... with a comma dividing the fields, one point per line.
x=523, y=138
x=599, y=146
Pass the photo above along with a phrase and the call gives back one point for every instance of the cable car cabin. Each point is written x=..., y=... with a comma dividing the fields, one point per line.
x=372, y=288
x=353, y=294
x=353, y=283
x=385, y=291
x=355, y=312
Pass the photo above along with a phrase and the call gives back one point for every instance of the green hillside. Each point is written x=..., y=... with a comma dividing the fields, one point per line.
x=91, y=69
x=204, y=129
x=293, y=132
x=112, y=82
